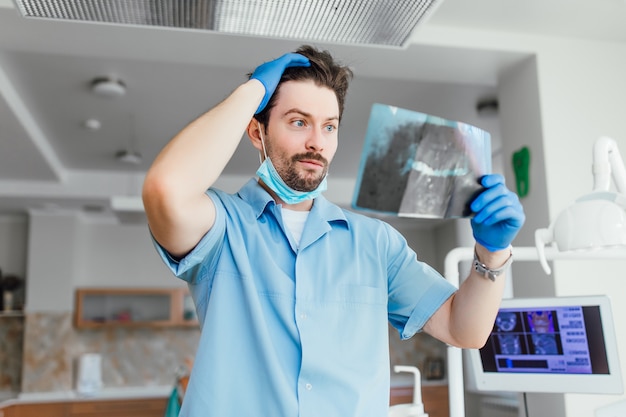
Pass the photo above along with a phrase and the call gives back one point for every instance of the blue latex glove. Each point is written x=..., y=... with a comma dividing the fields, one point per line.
x=498, y=214
x=270, y=72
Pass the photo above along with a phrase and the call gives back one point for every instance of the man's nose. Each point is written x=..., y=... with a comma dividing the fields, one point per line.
x=316, y=139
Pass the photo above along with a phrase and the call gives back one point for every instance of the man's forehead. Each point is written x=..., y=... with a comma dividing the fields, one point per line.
x=307, y=99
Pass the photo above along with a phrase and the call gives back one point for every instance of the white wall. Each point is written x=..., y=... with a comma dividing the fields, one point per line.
x=50, y=263
x=69, y=250
x=13, y=237
x=520, y=119
x=119, y=255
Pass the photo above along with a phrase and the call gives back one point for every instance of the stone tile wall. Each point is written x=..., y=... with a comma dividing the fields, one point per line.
x=130, y=356
x=11, y=340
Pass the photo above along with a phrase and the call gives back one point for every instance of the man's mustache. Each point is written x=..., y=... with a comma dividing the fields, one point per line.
x=310, y=155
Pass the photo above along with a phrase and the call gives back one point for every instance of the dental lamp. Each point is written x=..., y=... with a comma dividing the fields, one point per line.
x=595, y=220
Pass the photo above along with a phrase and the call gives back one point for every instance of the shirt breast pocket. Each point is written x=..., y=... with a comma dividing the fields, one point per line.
x=362, y=294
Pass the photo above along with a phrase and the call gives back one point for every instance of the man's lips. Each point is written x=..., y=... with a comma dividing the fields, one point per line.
x=312, y=162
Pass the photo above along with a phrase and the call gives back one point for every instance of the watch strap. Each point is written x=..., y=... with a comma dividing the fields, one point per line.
x=490, y=273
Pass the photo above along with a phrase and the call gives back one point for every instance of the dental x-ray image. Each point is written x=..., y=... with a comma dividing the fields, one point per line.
x=417, y=165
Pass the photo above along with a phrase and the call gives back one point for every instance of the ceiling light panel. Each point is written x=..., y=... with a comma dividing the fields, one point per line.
x=378, y=22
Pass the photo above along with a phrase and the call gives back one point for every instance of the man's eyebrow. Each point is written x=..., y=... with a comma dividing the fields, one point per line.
x=305, y=114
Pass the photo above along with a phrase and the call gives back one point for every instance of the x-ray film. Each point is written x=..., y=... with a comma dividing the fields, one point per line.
x=418, y=165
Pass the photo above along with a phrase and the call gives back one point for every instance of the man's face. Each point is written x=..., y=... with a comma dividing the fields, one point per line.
x=302, y=133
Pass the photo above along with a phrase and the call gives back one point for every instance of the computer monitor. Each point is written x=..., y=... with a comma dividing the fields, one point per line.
x=556, y=345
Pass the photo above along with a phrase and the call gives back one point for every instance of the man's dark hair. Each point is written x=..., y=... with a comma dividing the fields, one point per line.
x=324, y=72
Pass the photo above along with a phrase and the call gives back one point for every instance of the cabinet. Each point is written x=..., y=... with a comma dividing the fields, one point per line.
x=148, y=407
x=107, y=408
x=133, y=307
x=31, y=410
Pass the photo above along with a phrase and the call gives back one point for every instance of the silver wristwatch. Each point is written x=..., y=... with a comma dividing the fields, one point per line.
x=492, y=274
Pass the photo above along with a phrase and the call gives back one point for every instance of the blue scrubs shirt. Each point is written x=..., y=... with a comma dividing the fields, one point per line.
x=299, y=331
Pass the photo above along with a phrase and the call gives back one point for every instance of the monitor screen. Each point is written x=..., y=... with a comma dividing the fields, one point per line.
x=559, y=344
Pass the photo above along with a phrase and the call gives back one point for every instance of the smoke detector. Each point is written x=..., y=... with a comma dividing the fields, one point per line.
x=128, y=157
x=108, y=87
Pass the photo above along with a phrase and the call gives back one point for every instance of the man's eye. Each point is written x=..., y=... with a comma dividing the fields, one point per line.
x=299, y=123
x=330, y=128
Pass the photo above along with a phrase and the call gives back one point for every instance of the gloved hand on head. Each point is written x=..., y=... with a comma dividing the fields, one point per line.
x=270, y=72
x=498, y=214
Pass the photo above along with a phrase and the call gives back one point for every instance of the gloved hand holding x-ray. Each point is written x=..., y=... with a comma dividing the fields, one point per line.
x=418, y=165
x=498, y=214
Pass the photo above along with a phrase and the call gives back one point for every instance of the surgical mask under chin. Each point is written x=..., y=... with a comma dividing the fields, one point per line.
x=267, y=172
x=272, y=179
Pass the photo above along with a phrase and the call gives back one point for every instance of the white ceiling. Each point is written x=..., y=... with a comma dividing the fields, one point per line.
x=48, y=160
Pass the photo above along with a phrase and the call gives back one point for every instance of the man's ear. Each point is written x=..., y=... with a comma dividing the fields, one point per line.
x=253, y=133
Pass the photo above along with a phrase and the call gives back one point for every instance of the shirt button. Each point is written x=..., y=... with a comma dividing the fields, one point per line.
x=308, y=387
x=303, y=316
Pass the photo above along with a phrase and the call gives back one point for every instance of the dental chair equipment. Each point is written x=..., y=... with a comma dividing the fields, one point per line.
x=595, y=220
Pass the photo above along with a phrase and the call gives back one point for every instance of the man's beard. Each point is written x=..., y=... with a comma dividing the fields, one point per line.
x=294, y=179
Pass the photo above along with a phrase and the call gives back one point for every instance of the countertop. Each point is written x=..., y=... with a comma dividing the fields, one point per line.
x=115, y=393
x=7, y=395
